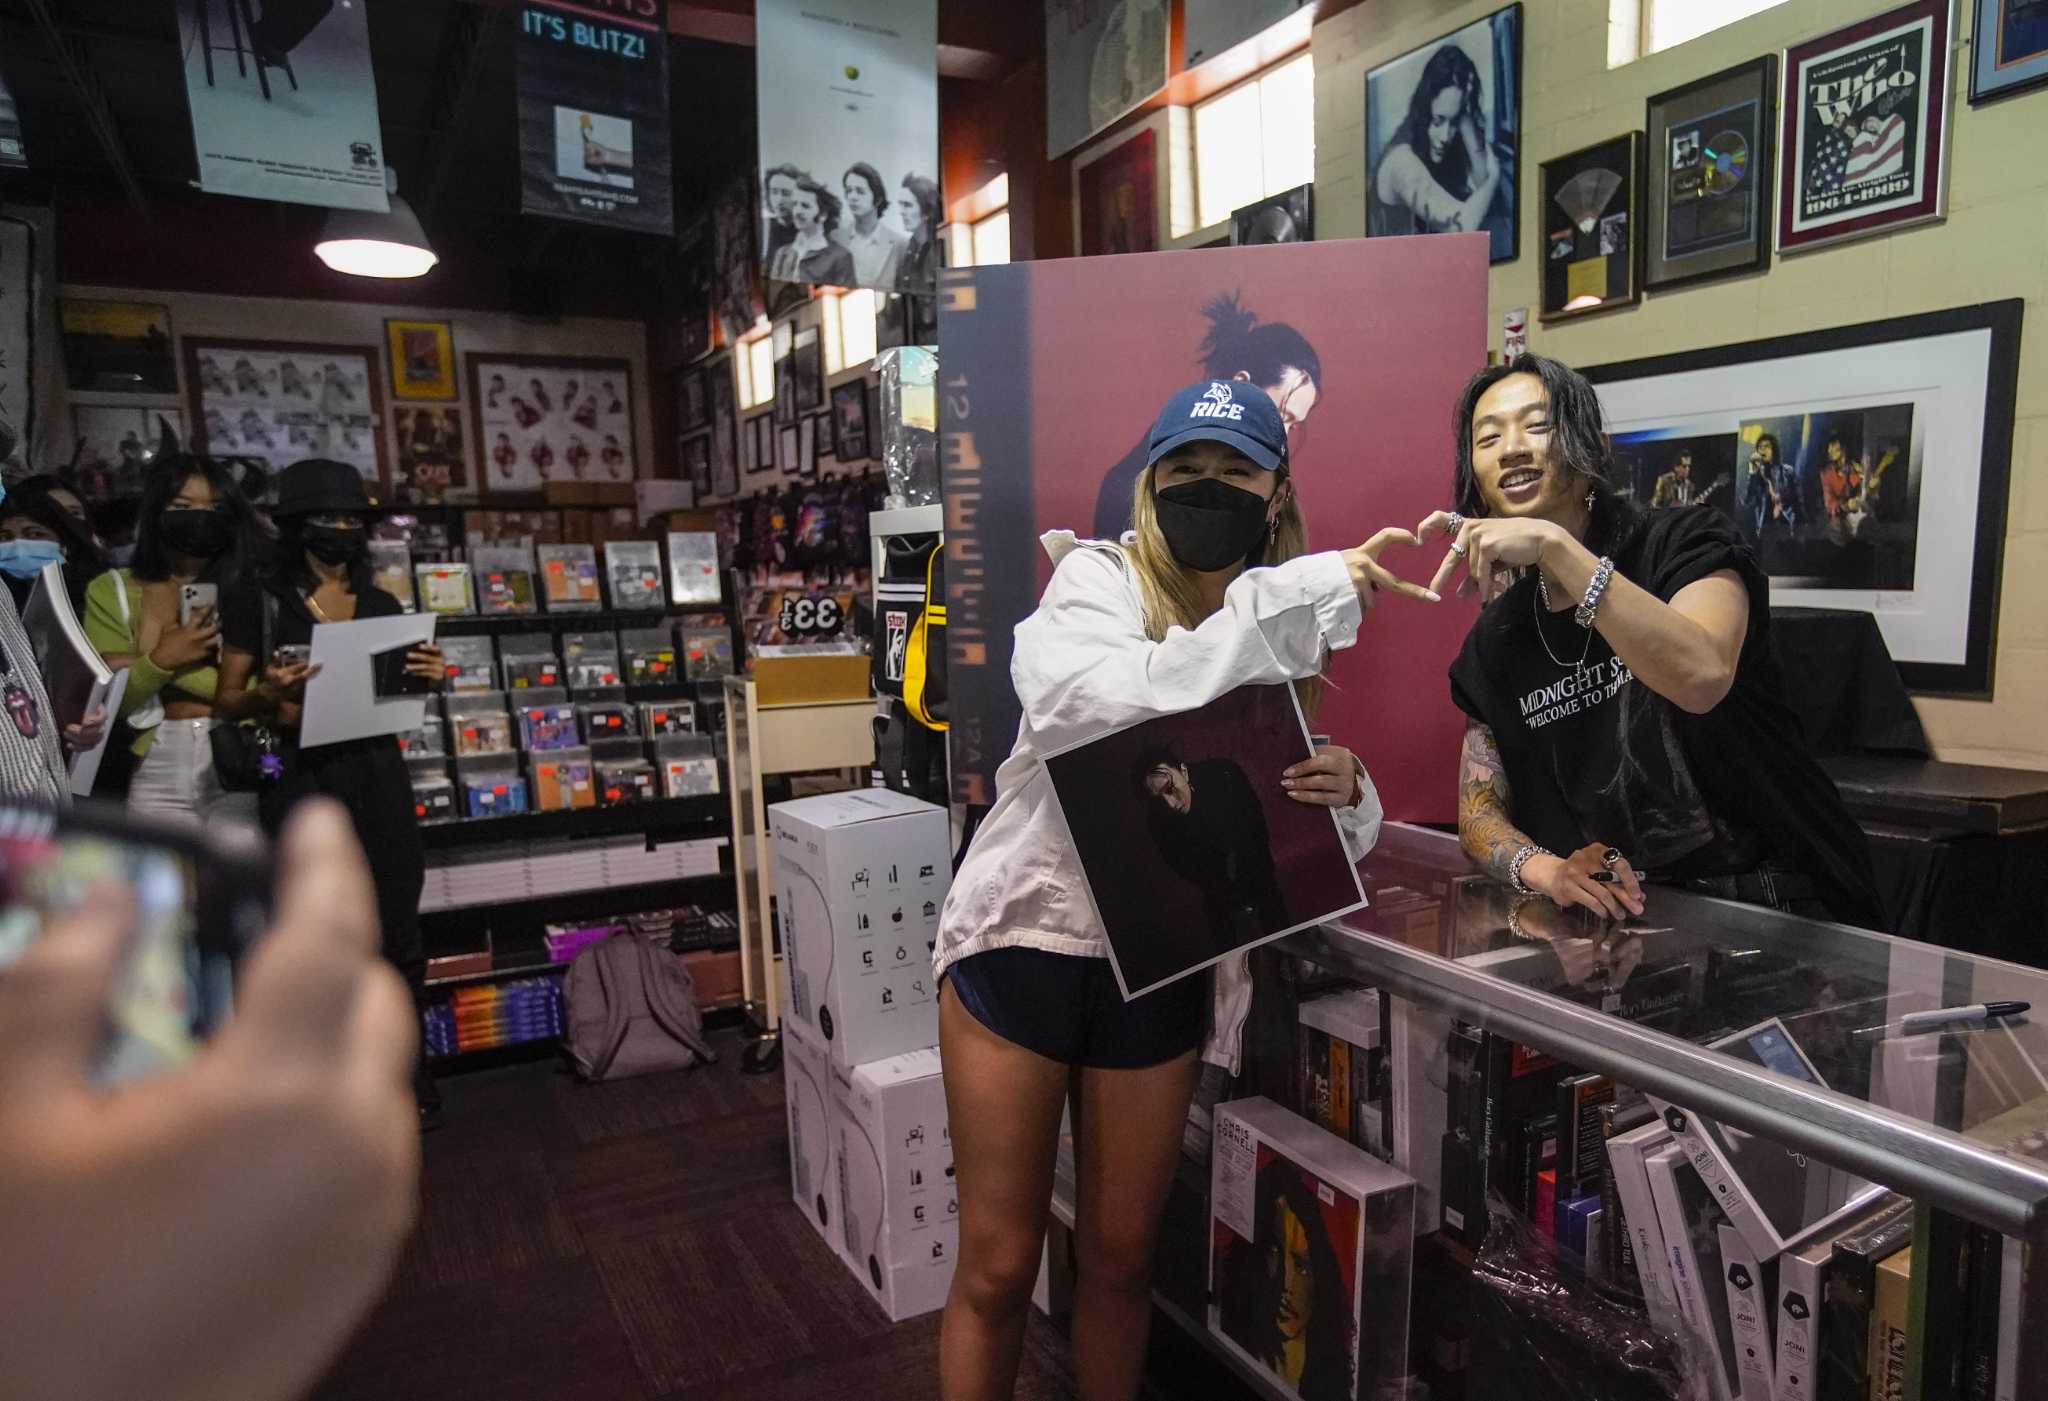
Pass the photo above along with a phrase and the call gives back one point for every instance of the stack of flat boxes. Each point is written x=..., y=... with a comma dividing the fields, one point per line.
x=859, y=881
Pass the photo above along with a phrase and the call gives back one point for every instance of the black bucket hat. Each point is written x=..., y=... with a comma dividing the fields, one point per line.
x=320, y=486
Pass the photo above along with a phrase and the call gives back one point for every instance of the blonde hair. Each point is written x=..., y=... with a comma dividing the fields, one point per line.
x=1171, y=596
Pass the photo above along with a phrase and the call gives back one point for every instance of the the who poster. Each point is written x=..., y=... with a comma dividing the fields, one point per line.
x=1363, y=344
x=849, y=123
x=1866, y=109
x=1103, y=58
x=286, y=108
x=593, y=113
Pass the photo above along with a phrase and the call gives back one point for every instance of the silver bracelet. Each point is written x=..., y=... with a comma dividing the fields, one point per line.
x=1521, y=859
x=1596, y=589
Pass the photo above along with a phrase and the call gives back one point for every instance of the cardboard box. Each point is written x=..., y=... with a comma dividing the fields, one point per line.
x=1278, y=1181
x=824, y=677
x=859, y=881
x=899, y=1208
x=813, y=1128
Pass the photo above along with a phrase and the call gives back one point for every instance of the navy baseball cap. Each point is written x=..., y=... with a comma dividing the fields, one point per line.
x=1228, y=411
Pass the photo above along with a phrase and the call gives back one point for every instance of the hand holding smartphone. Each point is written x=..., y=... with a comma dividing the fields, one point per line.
x=196, y=601
x=201, y=897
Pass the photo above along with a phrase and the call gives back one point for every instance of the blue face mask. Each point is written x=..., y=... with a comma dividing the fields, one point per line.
x=24, y=559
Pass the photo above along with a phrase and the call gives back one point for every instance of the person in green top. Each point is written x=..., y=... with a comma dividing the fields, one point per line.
x=194, y=525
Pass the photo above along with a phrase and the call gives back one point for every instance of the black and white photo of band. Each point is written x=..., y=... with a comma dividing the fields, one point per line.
x=849, y=143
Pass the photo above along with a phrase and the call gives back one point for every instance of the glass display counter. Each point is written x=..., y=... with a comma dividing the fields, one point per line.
x=1955, y=1118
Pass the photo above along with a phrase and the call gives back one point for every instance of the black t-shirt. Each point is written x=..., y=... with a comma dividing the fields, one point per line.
x=241, y=616
x=1592, y=755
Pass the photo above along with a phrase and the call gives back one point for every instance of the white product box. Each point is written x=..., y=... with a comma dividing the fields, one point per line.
x=899, y=1209
x=813, y=1128
x=860, y=878
x=1306, y=1227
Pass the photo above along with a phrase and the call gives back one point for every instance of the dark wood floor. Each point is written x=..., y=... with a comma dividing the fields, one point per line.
x=636, y=1242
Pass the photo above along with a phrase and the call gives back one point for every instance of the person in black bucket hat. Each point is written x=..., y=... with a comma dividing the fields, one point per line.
x=321, y=574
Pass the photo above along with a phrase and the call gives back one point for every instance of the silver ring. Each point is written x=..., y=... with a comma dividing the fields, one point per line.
x=1457, y=549
x=1455, y=523
x=1611, y=857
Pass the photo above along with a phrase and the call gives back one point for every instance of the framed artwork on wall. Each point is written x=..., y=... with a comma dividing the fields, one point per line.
x=1711, y=148
x=1592, y=228
x=2008, y=48
x=432, y=459
x=808, y=355
x=551, y=418
x=1426, y=175
x=693, y=400
x=1288, y=217
x=1866, y=128
x=761, y=453
x=695, y=457
x=1868, y=466
x=788, y=437
x=1116, y=197
x=117, y=347
x=422, y=359
x=785, y=391
x=276, y=402
x=725, y=447
x=850, y=421
x=116, y=444
x=1100, y=62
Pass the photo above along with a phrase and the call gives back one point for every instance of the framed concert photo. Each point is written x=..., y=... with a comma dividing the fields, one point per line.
x=1866, y=128
x=1592, y=225
x=2008, y=48
x=1710, y=147
x=1868, y=466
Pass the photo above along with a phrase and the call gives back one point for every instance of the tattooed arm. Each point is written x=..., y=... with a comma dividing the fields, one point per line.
x=1491, y=839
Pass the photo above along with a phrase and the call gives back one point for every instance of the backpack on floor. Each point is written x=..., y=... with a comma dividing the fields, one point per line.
x=632, y=1010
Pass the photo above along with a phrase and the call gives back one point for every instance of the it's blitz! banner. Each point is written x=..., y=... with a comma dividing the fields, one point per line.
x=593, y=113
x=1865, y=114
x=285, y=109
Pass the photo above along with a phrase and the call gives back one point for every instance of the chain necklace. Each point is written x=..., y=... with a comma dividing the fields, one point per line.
x=1539, y=602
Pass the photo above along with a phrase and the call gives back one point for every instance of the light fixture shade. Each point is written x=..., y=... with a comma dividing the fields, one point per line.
x=364, y=243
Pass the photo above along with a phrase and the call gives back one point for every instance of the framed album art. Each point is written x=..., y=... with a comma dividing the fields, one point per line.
x=551, y=418
x=279, y=401
x=1867, y=465
x=1866, y=128
x=422, y=359
x=850, y=421
x=1288, y=217
x=1443, y=132
x=2008, y=48
x=1592, y=218
x=1710, y=146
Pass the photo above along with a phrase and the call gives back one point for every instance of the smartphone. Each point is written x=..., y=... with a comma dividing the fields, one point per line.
x=389, y=678
x=202, y=898
x=194, y=600
x=291, y=654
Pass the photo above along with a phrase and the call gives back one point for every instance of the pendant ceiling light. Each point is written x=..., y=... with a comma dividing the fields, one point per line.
x=364, y=243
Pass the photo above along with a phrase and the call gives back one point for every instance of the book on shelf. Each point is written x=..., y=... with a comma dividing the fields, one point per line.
x=1752, y=1294
x=1802, y=1291
x=1889, y=1340
x=1627, y=1168
x=1691, y=1221
x=1851, y=1293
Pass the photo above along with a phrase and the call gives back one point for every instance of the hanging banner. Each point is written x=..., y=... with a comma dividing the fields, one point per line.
x=1102, y=59
x=1211, y=26
x=286, y=107
x=849, y=122
x=593, y=113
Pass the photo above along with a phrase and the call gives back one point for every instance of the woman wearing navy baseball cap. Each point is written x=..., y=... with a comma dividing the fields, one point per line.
x=1212, y=590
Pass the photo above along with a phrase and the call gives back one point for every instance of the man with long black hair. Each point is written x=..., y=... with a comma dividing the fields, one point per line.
x=1627, y=717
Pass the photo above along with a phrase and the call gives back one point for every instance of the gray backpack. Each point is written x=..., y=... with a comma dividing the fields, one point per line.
x=632, y=1011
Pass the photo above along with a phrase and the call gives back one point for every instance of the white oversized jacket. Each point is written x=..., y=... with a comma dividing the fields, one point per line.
x=1083, y=667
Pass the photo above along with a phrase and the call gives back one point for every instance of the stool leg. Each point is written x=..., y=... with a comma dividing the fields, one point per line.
x=289, y=74
x=249, y=23
x=205, y=37
x=235, y=31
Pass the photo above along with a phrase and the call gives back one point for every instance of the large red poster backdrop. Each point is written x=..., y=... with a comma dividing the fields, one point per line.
x=1051, y=374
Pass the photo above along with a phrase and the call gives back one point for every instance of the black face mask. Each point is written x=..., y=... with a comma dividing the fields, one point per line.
x=197, y=534
x=335, y=544
x=1210, y=524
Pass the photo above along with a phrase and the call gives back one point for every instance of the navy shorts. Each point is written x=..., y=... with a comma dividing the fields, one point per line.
x=1067, y=1008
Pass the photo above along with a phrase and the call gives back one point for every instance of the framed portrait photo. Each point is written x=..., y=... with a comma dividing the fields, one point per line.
x=1592, y=221
x=1866, y=128
x=422, y=359
x=1868, y=466
x=808, y=357
x=1421, y=178
x=1710, y=148
x=785, y=391
x=850, y=421
x=2008, y=48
